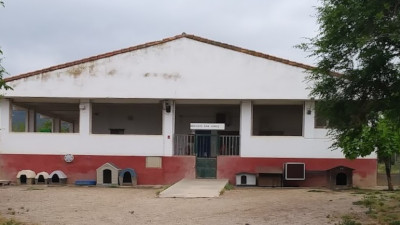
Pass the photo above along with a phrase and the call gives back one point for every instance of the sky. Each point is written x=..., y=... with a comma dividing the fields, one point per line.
x=43, y=33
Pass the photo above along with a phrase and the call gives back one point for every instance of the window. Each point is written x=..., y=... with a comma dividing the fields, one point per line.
x=66, y=127
x=18, y=119
x=44, y=123
x=128, y=119
x=278, y=120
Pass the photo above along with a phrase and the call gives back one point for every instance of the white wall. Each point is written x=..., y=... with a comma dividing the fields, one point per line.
x=94, y=144
x=180, y=69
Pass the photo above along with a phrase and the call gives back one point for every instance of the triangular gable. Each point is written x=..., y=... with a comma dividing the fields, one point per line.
x=180, y=67
x=154, y=43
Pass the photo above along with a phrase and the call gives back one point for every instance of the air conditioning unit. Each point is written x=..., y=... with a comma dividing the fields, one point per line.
x=295, y=171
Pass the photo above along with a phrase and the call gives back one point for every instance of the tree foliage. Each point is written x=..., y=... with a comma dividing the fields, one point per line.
x=357, y=77
x=3, y=84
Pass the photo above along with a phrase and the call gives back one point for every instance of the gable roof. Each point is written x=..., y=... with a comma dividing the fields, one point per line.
x=154, y=43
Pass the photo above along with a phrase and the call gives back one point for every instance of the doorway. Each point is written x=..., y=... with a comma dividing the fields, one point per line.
x=206, y=145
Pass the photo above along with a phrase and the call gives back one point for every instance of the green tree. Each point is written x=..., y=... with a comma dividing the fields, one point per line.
x=46, y=126
x=384, y=138
x=357, y=77
x=3, y=84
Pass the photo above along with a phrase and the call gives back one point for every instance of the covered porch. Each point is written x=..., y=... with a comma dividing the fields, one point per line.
x=234, y=125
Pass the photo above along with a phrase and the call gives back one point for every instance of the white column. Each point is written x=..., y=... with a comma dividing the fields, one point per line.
x=85, y=117
x=246, y=126
x=5, y=115
x=56, y=125
x=309, y=114
x=31, y=120
x=168, y=127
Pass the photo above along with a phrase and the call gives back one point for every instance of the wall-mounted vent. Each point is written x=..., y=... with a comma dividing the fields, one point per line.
x=295, y=171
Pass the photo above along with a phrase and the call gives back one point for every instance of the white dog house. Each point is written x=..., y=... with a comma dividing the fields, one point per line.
x=26, y=177
x=57, y=177
x=246, y=179
x=42, y=178
x=107, y=174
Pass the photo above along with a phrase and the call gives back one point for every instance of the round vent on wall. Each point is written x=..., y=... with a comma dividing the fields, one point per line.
x=68, y=158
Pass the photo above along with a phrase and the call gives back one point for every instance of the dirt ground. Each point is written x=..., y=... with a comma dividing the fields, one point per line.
x=97, y=205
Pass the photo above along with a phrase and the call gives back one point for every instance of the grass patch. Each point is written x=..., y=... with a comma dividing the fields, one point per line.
x=162, y=189
x=395, y=168
x=12, y=221
x=382, y=206
x=348, y=220
x=227, y=187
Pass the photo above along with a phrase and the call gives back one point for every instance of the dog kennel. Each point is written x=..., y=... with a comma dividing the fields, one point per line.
x=340, y=177
x=42, y=178
x=107, y=174
x=57, y=177
x=127, y=177
x=26, y=177
x=245, y=179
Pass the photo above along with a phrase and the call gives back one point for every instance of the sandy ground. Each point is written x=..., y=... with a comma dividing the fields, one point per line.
x=96, y=205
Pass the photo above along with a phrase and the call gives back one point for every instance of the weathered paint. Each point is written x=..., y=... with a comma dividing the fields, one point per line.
x=364, y=173
x=180, y=69
x=84, y=167
x=177, y=167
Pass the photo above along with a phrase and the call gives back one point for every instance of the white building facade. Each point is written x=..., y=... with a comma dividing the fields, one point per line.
x=137, y=107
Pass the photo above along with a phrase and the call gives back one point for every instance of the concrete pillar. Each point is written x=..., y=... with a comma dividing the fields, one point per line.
x=5, y=115
x=246, y=126
x=168, y=126
x=85, y=117
x=56, y=125
x=31, y=120
x=308, y=123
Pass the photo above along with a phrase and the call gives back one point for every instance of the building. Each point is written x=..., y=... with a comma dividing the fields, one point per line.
x=181, y=107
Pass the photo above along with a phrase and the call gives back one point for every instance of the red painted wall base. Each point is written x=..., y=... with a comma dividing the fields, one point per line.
x=84, y=167
x=364, y=173
x=177, y=167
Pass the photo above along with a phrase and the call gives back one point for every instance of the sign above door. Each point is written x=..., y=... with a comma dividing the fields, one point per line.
x=207, y=126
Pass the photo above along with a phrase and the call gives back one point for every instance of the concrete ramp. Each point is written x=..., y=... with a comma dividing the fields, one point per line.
x=195, y=188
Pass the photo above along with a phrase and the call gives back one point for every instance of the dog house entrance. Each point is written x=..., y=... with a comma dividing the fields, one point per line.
x=243, y=179
x=55, y=179
x=127, y=178
x=41, y=179
x=341, y=179
x=107, y=176
x=23, y=179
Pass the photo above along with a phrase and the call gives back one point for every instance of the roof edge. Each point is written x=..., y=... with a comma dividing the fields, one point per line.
x=150, y=44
